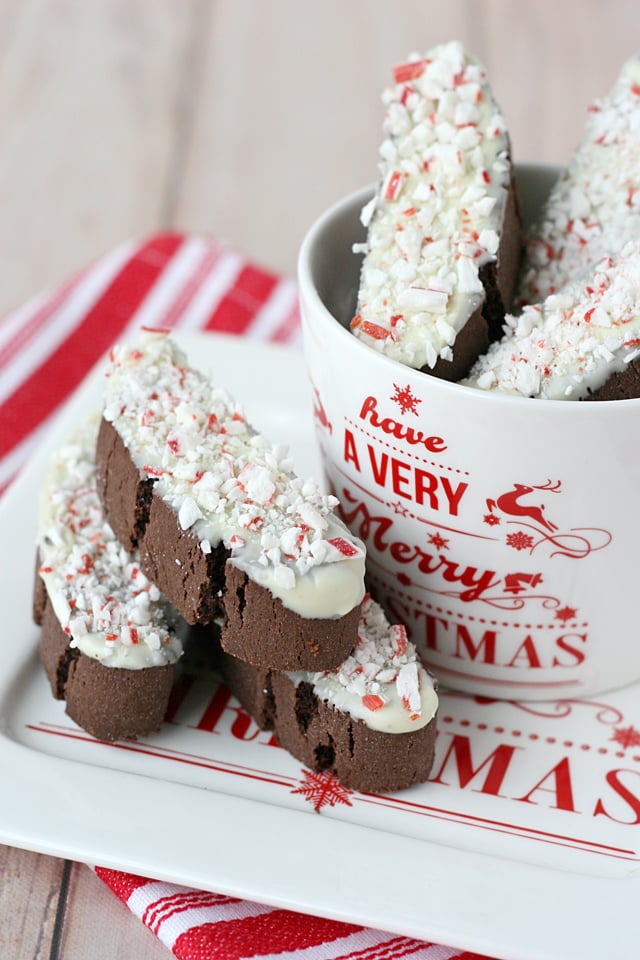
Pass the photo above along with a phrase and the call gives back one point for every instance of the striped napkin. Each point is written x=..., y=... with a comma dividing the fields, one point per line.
x=180, y=282
x=171, y=281
x=196, y=925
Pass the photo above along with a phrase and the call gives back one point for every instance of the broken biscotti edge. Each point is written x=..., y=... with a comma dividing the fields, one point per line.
x=108, y=641
x=443, y=241
x=221, y=521
x=371, y=723
x=582, y=343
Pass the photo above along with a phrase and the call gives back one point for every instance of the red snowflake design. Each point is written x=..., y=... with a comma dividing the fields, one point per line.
x=519, y=540
x=438, y=541
x=491, y=519
x=322, y=789
x=626, y=736
x=566, y=613
x=406, y=400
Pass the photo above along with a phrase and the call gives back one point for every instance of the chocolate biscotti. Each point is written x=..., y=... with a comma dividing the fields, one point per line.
x=108, y=641
x=221, y=521
x=443, y=241
x=594, y=208
x=371, y=723
x=581, y=343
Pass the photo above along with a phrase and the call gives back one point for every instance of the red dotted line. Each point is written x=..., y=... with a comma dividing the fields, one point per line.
x=569, y=744
x=384, y=443
x=529, y=626
x=391, y=588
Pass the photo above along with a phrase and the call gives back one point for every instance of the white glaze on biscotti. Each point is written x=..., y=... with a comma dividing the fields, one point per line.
x=437, y=214
x=227, y=483
x=569, y=346
x=382, y=682
x=594, y=208
x=102, y=600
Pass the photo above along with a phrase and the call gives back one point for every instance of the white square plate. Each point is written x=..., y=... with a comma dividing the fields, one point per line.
x=525, y=844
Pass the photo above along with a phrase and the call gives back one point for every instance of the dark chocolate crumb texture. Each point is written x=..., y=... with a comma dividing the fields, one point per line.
x=443, y=241
x=108, y=640
x=184, y=479
x=371, y=723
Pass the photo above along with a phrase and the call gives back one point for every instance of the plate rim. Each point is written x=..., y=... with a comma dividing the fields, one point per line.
x=77, y=791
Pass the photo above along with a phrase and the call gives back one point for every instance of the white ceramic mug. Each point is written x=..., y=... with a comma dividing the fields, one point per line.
x=504, y=532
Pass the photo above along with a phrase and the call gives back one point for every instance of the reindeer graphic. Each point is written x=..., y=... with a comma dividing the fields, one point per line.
x=529, y=528
x=510, y=503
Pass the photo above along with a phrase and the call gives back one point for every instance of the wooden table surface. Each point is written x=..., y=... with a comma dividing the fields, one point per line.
x=119, y=118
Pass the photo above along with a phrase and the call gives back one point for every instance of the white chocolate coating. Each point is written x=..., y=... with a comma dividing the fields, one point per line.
x=574, y=341
x=594, y=208
x=438, y=211
x=382, y=682
x=101, y=598
x=228, y=484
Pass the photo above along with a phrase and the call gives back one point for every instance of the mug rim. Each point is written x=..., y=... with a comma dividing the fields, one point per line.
x=308, y=291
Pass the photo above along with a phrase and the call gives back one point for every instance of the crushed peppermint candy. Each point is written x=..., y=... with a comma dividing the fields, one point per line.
x=103, y=601
x=382, y=682
x=568, y=346
x=229, y=484
x=594, y=208
x=436, y=217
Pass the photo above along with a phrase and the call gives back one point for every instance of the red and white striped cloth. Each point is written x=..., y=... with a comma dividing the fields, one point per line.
x=207, y=926
x=46, y=348
x=172, y=281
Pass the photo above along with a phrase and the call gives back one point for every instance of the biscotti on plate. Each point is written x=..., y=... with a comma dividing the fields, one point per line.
x=443, y=229
x=594, y=208
x=371, y=723
x=109, y=642
x=221, y=521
